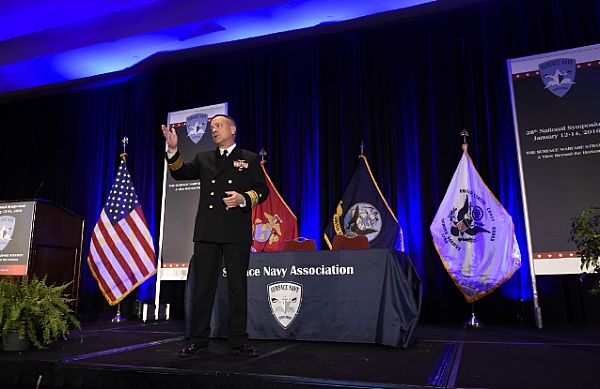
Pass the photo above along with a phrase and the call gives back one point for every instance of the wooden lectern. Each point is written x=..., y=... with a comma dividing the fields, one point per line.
x=40, y=238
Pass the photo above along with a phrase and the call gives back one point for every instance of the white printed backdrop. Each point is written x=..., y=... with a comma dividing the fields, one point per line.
x=180, y=198
x=556, y=108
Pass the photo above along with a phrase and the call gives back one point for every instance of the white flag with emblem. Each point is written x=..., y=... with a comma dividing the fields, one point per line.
x=474, y=235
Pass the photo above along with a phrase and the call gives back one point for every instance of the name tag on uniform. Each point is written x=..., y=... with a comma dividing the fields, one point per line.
x=240, y=164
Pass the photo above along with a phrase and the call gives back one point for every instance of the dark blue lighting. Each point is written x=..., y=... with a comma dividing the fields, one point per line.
x=118, y=54
x=310, y=226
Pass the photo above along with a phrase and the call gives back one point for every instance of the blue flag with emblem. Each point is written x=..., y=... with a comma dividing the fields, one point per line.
x=364, y=211
x=474, y=235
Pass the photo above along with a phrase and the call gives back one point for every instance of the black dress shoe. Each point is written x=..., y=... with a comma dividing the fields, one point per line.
x=245, y=350
x=193, y=349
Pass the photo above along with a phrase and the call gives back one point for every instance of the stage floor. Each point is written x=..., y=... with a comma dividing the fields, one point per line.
x=145, y=355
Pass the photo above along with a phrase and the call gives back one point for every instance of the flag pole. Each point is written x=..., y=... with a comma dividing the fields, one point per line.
x=262, y=153
x=118, y=317
x=472, y=322
x=362, y=149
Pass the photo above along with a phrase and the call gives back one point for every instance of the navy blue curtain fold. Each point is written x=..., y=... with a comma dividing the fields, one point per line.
x=404, y=89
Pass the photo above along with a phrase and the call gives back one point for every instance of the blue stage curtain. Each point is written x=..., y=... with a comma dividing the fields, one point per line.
x=404, y=89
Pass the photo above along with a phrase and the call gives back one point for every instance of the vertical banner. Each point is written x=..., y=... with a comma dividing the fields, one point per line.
x=16, y=224
x=180, y=198
x=556, y=110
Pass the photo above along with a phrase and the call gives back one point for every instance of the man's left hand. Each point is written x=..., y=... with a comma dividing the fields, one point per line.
x=233, y=199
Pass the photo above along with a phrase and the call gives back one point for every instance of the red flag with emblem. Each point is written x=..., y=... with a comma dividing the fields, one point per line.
x=273, y=222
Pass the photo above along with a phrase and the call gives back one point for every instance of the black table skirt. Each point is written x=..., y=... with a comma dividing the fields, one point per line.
x=365, y=296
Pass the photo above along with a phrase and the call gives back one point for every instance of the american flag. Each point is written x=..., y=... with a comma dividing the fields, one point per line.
x=121, y=251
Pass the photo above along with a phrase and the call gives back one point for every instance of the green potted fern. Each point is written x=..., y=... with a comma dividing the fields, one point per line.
x=32, y=311
x=585, y=233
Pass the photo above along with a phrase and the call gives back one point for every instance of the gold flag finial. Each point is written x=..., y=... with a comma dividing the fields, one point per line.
x=465, y=134
x=124, y=142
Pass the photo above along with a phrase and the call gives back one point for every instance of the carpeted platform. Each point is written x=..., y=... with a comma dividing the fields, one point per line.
x=146, y=355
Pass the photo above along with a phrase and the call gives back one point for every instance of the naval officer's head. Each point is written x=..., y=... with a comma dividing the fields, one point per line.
x=223, y=130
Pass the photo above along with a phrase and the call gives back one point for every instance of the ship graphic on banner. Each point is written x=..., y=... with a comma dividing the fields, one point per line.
x=558, y=75
x=7, y=227
x=196, y=126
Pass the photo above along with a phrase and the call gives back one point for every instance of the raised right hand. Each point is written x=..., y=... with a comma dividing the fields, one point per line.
x=170, y=136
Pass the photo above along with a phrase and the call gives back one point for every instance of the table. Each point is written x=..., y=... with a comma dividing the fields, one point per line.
x=365, y=296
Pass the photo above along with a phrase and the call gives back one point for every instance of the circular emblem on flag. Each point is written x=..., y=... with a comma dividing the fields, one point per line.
x=362, y=219
x=262, y=232
x=271, y=230
x=477, y=213
x=466, y=221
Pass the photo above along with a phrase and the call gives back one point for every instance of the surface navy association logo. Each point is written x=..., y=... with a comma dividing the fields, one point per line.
x=362, y=219
x=467, y=222
x=558, y=75
x=285, y=299
x=7, y=227
x=196, y=126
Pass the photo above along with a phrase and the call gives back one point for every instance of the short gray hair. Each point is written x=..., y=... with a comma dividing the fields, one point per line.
x=225, y=116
